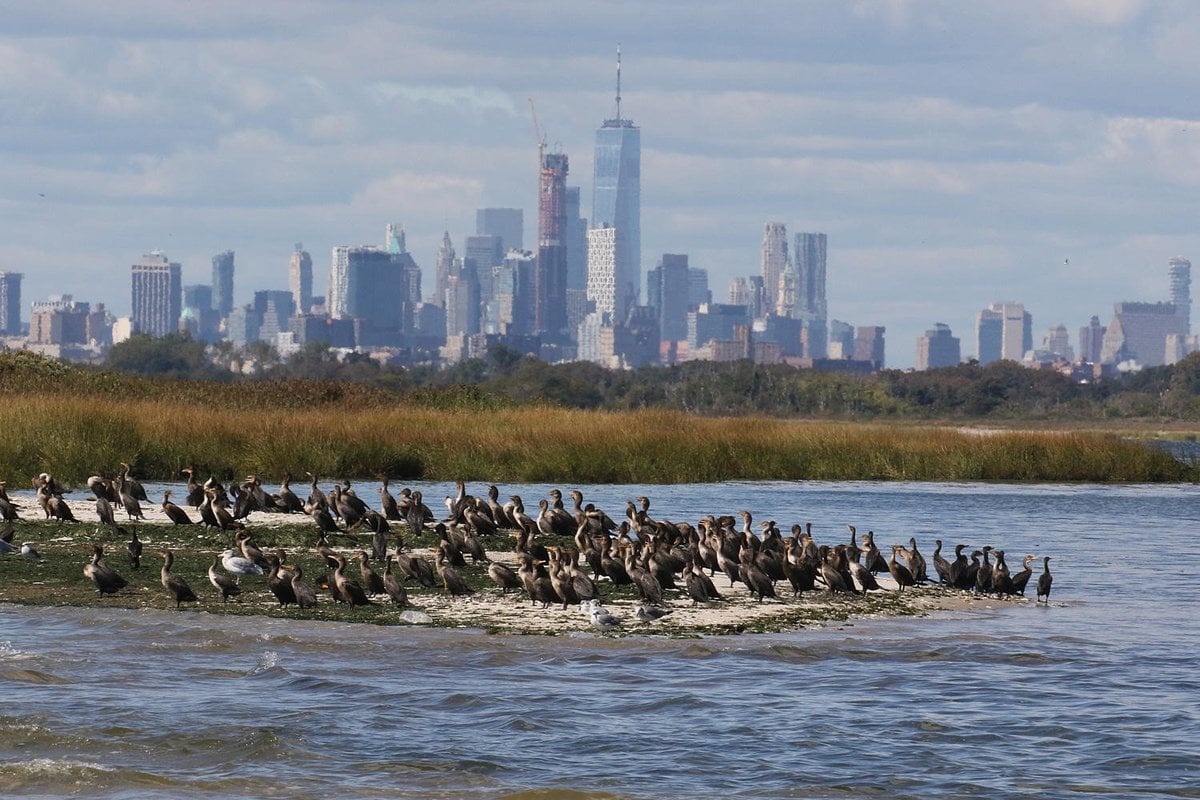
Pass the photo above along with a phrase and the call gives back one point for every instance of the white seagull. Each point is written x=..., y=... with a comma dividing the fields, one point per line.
x=239, y=565
x=601, y=617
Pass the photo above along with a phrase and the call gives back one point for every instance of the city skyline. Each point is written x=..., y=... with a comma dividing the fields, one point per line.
x=965, y=156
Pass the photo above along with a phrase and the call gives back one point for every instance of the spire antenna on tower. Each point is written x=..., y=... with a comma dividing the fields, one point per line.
x=618, y=81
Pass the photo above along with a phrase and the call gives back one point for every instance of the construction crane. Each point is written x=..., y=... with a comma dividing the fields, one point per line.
x=538, y=133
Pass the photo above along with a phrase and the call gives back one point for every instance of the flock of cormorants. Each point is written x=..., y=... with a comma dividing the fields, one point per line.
x=656, y=558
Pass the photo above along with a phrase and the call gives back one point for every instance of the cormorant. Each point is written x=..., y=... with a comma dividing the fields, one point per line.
x=224, y=584
x=451, y=580
x=175, y=585
x=174, y=513
x=900, y=573
x=394, y=588
x=1044, y=582
x=105, y=577
x=305, y=596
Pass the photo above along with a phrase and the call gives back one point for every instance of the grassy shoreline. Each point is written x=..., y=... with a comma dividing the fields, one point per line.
x=73, y=436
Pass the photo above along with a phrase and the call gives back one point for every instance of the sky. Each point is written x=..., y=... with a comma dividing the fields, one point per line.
x=956, y=154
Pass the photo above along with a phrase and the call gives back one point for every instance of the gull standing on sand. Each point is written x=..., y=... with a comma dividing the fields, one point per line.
x=601, y=617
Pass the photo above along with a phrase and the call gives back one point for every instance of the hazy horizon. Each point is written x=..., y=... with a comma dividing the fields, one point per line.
x=955, y=154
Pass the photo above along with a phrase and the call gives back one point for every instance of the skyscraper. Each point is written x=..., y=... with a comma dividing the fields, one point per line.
x=507, y=223
x=157, y=294
x=445, y=266
x=938, y=348
x=10, y=303
x=577, y=227
x=300, y=278
x=811, y=307
x=393, y=238
x=774, y=262
x=668, y=292
x=1179, y=273
x=617, y=193
x=1003, y=330
x=550, y=280
x=222, y=282
x=603, y=245
x=1091, y=341
x=379, y=288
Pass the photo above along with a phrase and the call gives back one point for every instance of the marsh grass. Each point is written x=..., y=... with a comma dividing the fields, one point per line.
x=72, y=434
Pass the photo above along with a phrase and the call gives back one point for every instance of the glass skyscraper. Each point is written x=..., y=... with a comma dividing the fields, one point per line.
x=617, y=194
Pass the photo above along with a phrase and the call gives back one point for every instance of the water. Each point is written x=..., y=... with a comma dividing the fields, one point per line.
x=1097, y=694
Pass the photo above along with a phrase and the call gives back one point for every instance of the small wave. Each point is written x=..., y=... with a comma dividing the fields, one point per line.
x=268, y=665
x=31, y=676
x=10, y=653
x=55, y=766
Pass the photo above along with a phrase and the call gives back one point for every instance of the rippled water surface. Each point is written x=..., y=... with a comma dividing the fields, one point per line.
x=1097, y=694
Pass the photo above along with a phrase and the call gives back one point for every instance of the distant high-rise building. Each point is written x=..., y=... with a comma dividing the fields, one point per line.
x=938, y=348
x=300, y=278
x=1057, y=343
x=201, y=321
x=775, y=262
x=59, y=320
x=1091, y=341
x=811, y=307
x=603, y=244
x=507, y=223
x=669, y=294
x=222, y=282
x=462, y=302
x=1138, y=332
x=10, y=303
x=550, y=281
x=521, y=266
x=741, y=293
x=1003, y=331
x=375, y=286
x=394, y=239
x=483, y=254
x=698, y=291
x=869, y=345
x=617, y=194
x=989, y=328
x=157, y=294
x=1179, y=274
x=445, y=266
x=841, y=339
x=577, y=226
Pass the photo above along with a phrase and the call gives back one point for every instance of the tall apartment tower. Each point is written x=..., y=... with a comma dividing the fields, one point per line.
x=10, y=303
x=1091, y=341
x=1179, y=273
x=300, y=278
x=811, y=307
x=617, y=193
x=222, y=282
x=603, y=245
x=774, y=261
x=443, y=270
x=670, y=294
x=550, y=280
x=507, y=223
x=157, y=294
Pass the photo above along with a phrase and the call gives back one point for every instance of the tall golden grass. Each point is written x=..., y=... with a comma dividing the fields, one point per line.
x=72, y=436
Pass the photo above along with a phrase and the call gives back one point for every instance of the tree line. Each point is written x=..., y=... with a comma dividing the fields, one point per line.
x=1001, y=390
